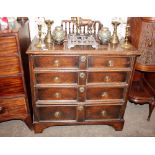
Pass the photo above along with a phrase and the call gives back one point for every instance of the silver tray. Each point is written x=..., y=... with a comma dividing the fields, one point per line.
x=81, y=39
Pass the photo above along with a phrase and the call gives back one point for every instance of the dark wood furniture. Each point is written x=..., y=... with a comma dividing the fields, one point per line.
x=80, y=86
x=143, y=38
x=13, y=95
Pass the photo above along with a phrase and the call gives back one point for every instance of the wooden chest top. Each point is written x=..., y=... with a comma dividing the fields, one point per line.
x=63, y=49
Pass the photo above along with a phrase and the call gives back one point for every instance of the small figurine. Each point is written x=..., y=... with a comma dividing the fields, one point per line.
x=4, y=23
x=79, y=22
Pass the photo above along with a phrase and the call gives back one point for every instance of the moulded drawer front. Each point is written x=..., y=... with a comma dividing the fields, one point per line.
x=56, y=93
x=109, y=62
x=56, y=61
x=8, y=45
x=10, y=86
x=12, y=108
x=96, y=77
x=101, y=93
x=102, y=112
x=57, y=113
x=9, y=65
x=56, y=77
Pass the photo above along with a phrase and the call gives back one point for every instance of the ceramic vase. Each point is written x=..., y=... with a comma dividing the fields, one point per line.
x=104, y=35
x=58, y=35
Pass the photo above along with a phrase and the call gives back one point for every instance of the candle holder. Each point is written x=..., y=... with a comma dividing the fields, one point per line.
x=40, y=43
x=114, y=39
x=126, y=44
x=48, y=37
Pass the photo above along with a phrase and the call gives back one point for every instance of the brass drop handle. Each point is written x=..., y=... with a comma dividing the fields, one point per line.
x=106, y=78
x=80, y=107
x=83, y=58
x=82, y=75
x=110, y=63
x=56, y=79
x=103, y=113
x=81, y=89
x=57, y=95
x=57, y=114
x=56, y=63
x=104, y=94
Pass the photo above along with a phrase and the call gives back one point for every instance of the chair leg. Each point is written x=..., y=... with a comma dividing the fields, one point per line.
x=151, y=107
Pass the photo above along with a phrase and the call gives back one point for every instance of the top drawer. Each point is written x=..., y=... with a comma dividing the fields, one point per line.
x=109, y=62
x=56, y=61
x=8, y=45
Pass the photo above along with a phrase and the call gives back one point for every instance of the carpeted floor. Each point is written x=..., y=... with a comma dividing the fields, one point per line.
x=136, y=124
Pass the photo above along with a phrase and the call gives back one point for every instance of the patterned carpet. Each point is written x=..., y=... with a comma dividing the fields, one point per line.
x=136, y=124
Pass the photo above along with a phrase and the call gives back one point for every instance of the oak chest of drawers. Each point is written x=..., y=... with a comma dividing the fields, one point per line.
x=80, y=86
x=13, y=95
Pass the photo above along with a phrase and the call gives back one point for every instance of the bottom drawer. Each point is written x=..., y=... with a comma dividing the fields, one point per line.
x=13, y=108
x=102, y=112
x=70, y=112
x=62, y=112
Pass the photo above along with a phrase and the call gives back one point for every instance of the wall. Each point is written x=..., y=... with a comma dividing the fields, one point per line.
x=106, y=21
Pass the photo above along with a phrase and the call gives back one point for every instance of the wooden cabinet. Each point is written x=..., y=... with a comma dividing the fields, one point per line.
x=143, y=38
x=80, y=86
x=13, y=95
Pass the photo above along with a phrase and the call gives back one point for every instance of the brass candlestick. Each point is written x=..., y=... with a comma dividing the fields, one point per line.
x=126, y=43
x=39, y=44
x=114, y=38
x=48, y=38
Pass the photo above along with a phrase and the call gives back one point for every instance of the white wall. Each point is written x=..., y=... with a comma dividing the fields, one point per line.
x=106, y=21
